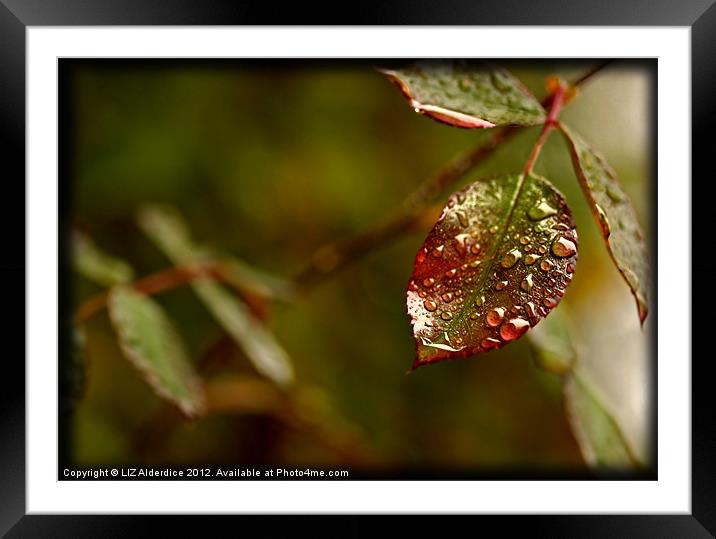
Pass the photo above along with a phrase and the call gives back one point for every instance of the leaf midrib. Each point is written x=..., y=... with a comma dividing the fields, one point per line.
x=497, y=244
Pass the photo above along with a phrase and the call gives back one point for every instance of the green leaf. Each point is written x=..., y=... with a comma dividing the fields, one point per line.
x=497, y=261
x=150, y=341
x=256, y=341
x=600, y=439
x=467, y=94
x=171, y=235
x=96, y=265
x=552, y=344
x=615, y=216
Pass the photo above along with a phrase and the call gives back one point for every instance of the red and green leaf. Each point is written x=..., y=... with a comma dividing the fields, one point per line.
x=497, y=261
x=467, y=94
x=614, y=214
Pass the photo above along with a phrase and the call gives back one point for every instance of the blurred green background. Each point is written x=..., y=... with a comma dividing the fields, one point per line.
x=269, y=160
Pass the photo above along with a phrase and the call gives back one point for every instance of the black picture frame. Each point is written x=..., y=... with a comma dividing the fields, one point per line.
x=17, y=15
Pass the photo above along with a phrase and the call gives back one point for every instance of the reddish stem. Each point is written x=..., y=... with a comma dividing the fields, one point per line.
x=151, y=284
x=549, y=125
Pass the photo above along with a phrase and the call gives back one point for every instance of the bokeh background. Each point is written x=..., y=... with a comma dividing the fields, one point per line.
x=269, y=160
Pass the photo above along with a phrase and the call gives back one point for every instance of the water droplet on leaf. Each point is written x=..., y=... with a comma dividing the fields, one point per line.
x=511, y=258
x=562, y=247
x=461, y=243
x=498, y=83
x=603, y=221
x=514, y=328
x=526, y=284
x=541, y=211
x=550, y=303
x=615, y=195
x=463, y=219
x=495, y=316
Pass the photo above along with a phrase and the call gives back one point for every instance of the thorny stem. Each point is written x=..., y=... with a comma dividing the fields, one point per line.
x=332, y=257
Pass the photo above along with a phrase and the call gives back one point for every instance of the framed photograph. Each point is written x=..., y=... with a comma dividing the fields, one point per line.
x=421, y=265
